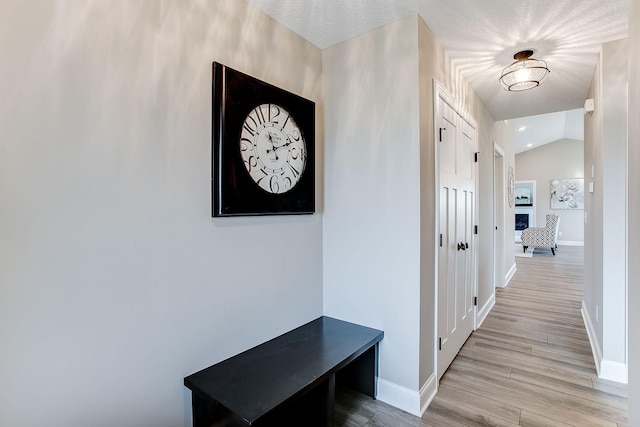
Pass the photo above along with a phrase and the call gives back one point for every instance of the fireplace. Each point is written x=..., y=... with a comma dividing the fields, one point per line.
x=525, y=218
x=522, y=221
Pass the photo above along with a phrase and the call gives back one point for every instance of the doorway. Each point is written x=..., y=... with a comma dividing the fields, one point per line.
x=498, y=215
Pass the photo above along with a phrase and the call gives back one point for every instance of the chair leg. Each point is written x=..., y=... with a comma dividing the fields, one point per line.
x=553, y=251
x=524, y=248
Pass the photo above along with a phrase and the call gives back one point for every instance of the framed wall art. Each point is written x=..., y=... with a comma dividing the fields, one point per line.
x=567, y=193
x=263, y=144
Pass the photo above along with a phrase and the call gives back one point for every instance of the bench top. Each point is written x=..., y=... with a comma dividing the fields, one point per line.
x=256, y=381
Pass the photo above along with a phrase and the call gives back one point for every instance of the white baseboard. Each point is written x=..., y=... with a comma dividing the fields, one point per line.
x=614, y=371
x=508, y=276
x=569, y=243
x=484, y=311
x=415, y=403
x=607, y=369
x=593, y=337
x=400, y=397
x=427, y=393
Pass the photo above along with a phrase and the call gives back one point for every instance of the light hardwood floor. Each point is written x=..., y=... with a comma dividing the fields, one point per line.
x=529, y=364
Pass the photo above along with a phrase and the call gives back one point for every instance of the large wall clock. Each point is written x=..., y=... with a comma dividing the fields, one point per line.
x=263, y=147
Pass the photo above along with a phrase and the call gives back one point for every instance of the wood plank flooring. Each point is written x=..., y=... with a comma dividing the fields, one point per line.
x=529, y=364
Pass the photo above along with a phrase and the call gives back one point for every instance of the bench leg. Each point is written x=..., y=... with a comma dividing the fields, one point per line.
x=316, y=408
x=362, y=374
x=206, y=414
x=328, y=418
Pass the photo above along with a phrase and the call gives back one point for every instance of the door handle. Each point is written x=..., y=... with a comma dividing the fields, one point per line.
x=459, y=246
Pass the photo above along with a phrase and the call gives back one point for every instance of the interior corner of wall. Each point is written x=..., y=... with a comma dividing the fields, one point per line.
x=399, y=396
x=613, y=371
x=485, y=310
x=509, y=275
x=428, y=393
x=593, y=337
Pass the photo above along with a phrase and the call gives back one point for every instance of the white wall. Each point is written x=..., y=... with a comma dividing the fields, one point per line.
x=560, y=159
x=428, y=49
x=634, y=212
x=614, y=219
x=593, y=208
x=605, y=305
x=372, y=199
x=503, y=134
x=115, y=282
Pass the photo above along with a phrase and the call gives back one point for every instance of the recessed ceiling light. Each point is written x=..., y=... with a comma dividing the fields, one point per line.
x=529, y=145
x=521, y=128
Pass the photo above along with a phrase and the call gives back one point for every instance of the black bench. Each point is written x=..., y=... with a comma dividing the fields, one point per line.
x=290, y=380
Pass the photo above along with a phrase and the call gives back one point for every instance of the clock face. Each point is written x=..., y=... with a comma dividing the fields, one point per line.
x=272, y=148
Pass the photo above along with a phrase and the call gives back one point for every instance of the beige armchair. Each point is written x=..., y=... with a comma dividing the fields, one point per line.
x=542, y=237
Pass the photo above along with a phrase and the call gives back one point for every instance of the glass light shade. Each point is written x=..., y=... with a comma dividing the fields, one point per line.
x=524, y=74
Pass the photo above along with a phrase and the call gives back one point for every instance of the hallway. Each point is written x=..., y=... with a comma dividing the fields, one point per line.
x=529, y=364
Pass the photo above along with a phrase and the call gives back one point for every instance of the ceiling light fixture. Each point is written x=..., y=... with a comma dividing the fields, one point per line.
x=525, y=73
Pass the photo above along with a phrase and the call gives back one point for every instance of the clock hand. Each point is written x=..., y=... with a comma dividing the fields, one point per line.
x=273, y=147
x=286, y=144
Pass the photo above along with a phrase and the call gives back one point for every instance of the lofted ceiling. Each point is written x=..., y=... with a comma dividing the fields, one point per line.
x=535, y=131
x=481, y=37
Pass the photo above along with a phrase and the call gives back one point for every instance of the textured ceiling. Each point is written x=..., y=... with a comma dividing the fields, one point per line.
x=481, y=37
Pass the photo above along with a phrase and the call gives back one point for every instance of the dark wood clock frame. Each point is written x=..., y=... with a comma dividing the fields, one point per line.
x=234, y=192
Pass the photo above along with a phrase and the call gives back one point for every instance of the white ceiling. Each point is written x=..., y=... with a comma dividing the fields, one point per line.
x=481, y=37
x=535, y=131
